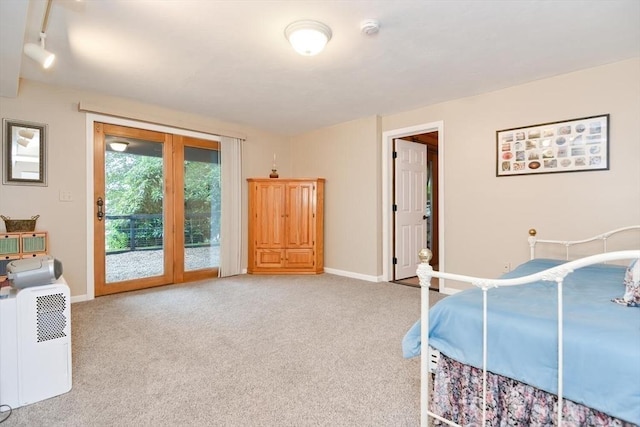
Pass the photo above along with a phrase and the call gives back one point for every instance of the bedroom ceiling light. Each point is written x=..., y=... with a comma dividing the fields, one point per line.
x=119, y=146
x=37, y=52
x=307, y=37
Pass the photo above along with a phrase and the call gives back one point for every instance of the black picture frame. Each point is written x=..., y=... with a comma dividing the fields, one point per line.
x=575, y=145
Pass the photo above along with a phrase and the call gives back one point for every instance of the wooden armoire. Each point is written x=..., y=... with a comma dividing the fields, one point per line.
x=286, y=226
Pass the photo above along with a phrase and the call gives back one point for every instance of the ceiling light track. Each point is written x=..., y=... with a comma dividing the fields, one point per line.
x=45, y=20
x=37, y=52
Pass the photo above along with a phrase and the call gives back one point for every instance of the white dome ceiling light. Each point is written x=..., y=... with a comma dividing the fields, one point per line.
x=119, y=146
x=307, y=37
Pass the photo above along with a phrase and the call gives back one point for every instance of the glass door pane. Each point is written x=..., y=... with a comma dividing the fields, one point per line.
x=201, y=208
x=134, y=210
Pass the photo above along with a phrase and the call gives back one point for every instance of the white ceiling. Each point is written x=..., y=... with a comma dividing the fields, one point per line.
x=229, y=59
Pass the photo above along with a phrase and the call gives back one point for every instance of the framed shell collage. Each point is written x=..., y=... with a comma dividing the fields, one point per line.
x=566, y=146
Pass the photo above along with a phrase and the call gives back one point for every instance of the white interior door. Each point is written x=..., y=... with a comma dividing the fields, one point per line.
x=410, y=200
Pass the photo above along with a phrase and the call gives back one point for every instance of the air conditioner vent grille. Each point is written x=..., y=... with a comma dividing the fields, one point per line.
x=50, y=317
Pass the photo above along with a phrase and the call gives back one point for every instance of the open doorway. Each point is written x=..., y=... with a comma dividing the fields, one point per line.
x=415, y=204
x=387, y=181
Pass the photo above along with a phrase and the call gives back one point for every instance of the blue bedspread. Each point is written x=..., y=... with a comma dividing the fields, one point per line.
x=601, y=338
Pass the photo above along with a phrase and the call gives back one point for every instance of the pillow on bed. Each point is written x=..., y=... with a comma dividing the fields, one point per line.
x=631, y=282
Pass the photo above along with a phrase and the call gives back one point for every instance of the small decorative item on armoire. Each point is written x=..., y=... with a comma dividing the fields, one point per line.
x=274, y=170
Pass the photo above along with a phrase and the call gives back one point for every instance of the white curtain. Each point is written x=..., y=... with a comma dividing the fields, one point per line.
x=231, y=207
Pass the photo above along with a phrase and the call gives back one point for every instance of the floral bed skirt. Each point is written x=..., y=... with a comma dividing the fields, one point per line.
x=457, y=396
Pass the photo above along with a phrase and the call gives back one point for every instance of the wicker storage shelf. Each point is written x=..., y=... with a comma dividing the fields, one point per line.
x=21, y=245
x=9, y=244
x=33, y=243
x=19, y=225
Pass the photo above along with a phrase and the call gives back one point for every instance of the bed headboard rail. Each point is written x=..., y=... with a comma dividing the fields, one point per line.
x=533, y=240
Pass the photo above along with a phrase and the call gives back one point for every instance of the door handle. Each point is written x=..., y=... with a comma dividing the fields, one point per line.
x=424, y=217
x=100, y=204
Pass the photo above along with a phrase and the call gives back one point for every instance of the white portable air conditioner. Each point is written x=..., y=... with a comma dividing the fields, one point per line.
x=35, y=344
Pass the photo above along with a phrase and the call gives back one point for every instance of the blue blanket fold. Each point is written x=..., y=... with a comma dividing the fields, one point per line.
x=601, y=338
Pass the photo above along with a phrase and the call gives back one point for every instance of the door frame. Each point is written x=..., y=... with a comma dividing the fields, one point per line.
x=387, y=195
x=91, y=119
x=101, y=131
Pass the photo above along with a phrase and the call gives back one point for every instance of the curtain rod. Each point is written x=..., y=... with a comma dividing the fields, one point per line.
x=136, y=114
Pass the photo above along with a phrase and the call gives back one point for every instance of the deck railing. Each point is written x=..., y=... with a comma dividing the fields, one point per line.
x=136, y=232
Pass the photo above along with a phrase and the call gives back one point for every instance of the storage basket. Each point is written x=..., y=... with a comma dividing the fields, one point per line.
x=14, y=225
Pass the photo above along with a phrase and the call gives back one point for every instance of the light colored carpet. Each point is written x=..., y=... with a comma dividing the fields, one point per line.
x=241, y=351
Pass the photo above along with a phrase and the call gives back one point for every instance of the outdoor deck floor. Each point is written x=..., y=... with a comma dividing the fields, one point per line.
x=138, y=264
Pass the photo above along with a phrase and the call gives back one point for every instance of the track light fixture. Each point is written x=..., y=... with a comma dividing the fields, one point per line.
x=37, y=52
x=24, y=142
x=25, y=135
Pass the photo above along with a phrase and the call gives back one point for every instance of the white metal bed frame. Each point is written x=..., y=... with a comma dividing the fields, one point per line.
x=425, y=272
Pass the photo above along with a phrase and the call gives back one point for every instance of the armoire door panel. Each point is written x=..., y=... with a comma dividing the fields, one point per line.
x=299, y=258
x=271, y=219
x=299, y=215
x=269, y=258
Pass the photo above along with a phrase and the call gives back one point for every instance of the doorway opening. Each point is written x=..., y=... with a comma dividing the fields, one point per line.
x=415, y=204
x=430, y=136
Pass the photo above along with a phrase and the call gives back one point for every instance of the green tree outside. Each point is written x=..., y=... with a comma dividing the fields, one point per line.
x=134, y=190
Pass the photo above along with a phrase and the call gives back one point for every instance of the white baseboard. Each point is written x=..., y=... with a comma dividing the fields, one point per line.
x=79, y=298
x=368, y=278
x=353, y=275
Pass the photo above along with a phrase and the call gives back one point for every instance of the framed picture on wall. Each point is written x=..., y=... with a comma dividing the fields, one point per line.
x=24, y=148
x=566, y=146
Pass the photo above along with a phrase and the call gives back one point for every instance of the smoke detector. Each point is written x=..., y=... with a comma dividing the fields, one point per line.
x=369, y=27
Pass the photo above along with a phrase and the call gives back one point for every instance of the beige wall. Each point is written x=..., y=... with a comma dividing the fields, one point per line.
x=66, y=222
x=487, y=217
x=348, y=156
